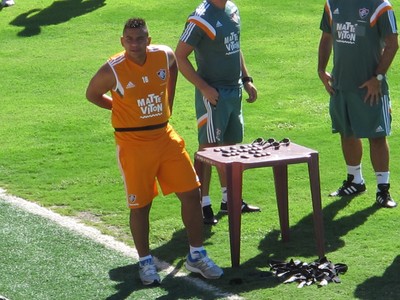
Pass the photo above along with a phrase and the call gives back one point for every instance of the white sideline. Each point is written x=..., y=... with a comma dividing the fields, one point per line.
x=107, y=241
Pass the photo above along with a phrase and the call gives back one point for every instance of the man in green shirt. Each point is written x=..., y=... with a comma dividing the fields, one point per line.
x=363, y=36
x=212, y=31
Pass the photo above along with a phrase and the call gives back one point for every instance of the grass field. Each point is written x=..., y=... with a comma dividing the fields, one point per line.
x=48, y=256
x=57, y=150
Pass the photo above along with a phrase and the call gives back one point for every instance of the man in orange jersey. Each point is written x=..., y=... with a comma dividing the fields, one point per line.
x=142, y=82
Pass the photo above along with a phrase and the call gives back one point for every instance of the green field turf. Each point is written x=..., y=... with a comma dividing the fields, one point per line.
x=57, y=150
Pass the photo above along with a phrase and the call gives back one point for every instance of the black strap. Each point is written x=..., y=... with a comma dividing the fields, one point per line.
x=143, y=128
x=321, y=271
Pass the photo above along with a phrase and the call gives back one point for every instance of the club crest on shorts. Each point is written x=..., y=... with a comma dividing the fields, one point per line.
x=162, y=74
x=131, y=198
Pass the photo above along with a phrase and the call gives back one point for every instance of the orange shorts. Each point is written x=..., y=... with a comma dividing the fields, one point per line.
x=156, y=155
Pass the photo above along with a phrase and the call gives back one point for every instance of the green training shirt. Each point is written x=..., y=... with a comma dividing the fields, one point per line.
x=215, y=35
x=358, y=28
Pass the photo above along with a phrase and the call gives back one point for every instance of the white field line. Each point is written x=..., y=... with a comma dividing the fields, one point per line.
x=108, y=241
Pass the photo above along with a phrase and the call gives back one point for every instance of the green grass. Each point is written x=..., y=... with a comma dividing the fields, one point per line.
x=57, y=149
x=75, y=268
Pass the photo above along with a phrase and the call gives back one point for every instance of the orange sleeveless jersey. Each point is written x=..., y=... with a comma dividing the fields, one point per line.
x=140, y=97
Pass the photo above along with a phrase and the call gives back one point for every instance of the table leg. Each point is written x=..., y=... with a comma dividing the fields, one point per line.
x=234, y=176
x=281, y=190
x=313, y=169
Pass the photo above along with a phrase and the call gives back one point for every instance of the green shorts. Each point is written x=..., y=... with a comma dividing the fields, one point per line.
x=351, y=116
x=223, y=123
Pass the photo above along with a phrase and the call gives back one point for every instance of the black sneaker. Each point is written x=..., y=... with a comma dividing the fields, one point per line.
x=208, y=216
x=383, y=196
x=349, y=188
x=246, y=208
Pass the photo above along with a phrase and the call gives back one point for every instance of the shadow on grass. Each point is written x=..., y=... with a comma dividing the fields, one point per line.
x=127, y=282
x=58, y=12
x=383, y=287
x=302, y=237
x=175, y=287
x=254, y=273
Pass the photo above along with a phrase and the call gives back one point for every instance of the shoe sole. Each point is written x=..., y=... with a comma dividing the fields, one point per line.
x=210, y=222
x=243, y=211
x=250, y=210
x=155, y=282
x=385, y=205
x=195, y=270
x=346, y=195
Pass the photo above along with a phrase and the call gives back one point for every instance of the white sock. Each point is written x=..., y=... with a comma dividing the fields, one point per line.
x=382, y=177
x=356, y=171
x=145, y=258
x=205, y=201
x=195, y=249
x=224, y=195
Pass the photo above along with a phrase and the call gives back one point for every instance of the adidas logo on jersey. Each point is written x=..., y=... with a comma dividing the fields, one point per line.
x=379, y=129
x=130, y=85
x=336, y=11
x=218, y=24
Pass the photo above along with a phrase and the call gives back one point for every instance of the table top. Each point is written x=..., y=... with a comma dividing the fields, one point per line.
x=256, y=154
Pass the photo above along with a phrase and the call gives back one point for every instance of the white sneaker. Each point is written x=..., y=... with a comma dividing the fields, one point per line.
x=6, y=3
x=204, y=265
x=148, y=272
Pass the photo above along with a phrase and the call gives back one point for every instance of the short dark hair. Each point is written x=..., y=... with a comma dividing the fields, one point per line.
x=135, y=23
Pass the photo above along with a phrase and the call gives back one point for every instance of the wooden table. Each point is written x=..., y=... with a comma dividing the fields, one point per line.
x=236, y=159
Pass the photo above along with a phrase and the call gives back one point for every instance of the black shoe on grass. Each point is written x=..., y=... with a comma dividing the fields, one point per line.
x=383, y=197
x=349, y=188
x=246, y=208
x=208, y=216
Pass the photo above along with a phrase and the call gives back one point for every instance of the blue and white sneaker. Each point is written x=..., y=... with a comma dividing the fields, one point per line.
x=202, y=264
x=148, y=272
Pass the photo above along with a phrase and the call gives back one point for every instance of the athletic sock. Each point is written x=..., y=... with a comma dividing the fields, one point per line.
x=205, y=201
x=356, y=171
x=382, y=178
x=141, y=259
x=224, y=195
x=193, y=250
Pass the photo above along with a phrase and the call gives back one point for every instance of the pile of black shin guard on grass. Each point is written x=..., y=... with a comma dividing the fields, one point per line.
x=320, y=272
